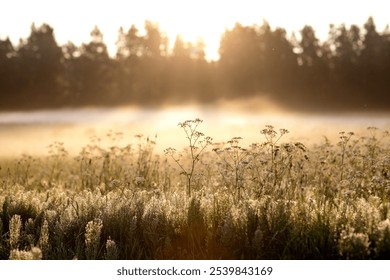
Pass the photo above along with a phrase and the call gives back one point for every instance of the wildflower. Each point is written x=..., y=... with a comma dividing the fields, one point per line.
x=92, y=238
x=114, y=184
x=112, y=252
x=284, y=131
x=354, y=245
x=44, y=237
x=34, y=254
x=20, y=255
x=15, y=226
x=139, y=180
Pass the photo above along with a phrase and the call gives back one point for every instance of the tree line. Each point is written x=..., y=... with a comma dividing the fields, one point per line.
x=350, y=70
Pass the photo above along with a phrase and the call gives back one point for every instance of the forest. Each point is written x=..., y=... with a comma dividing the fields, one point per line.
x=348, y=71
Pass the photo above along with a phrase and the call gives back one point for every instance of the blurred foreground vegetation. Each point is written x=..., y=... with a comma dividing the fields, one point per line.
x=271, y=200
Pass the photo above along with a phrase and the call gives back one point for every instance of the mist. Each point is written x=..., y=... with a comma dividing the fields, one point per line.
x=31, y=132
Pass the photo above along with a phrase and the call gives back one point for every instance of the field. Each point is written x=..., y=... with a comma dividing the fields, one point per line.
x=274, y=199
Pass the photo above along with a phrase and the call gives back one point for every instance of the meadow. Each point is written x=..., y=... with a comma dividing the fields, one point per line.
x=273, y=199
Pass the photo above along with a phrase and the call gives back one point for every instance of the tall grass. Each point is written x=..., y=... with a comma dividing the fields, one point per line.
x=270, y=200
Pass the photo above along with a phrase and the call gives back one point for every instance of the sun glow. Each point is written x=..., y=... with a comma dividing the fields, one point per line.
x=73, y=20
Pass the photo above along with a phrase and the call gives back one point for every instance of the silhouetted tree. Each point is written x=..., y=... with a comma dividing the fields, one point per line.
x=93, y=71
x=8, y=71
x=386, y=65
x=345, y=60
x=73, y=87
x=6, y=50
x=152, y=86
x=130, y=43
x=257, y=59
x=130, y=47
x=278, y=61
x=181, y=50
x=239, y=59
x=204, y=74
x=141, y=61
x=314, y=67
x=154, y=41
x=350, y=68
x=374, y=63
x=39, y=66
x=181, y=68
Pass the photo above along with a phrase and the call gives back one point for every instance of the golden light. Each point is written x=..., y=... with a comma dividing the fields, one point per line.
x=73, y=20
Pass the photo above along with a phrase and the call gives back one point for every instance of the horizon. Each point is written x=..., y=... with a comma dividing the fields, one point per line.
x=16, y=24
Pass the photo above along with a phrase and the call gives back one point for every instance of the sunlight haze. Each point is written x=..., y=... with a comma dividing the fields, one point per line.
x=73, y=20
x=195, y=130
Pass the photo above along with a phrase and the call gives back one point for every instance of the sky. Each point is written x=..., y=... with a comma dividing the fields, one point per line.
x=73, y=20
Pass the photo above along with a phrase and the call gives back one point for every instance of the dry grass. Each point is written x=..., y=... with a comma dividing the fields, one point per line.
x=271, y=200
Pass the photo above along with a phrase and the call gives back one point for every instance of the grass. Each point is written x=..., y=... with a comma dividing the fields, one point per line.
x=271, y=200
